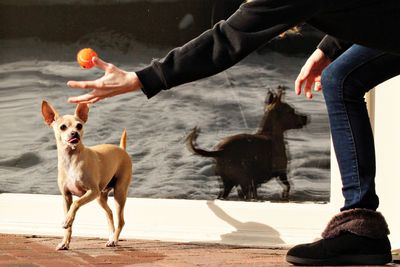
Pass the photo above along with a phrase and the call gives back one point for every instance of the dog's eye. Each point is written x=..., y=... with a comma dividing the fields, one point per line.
x=79, y=126
x=63, y=127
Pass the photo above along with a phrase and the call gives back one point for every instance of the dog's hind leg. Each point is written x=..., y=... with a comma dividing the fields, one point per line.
x=246, y=191
x=120, y=195
x=225, y=189
x=240, y=193
x=102, y=200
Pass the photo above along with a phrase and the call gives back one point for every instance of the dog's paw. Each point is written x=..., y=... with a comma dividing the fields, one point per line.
x=62, y=246
x=111, y=243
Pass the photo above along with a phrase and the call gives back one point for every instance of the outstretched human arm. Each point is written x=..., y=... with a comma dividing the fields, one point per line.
x=255, y=23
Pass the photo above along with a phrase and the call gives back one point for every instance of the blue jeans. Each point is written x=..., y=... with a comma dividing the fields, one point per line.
x=345, y=82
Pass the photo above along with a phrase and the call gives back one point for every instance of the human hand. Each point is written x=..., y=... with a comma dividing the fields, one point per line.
x=114, y=82
x=311, y=73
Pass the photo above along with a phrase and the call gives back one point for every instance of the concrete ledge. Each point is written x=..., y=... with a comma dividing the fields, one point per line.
x=236, y=223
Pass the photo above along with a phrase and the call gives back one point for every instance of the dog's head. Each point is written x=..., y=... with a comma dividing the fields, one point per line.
x=283, y=115
x=68, y=129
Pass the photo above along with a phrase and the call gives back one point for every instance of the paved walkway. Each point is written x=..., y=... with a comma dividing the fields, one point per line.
x=18, y=250
x=30, y=251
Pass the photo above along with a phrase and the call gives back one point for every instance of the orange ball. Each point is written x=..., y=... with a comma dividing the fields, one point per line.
x=84, y=57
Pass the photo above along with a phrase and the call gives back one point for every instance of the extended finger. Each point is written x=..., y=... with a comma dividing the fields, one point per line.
x=82, y=98
x=89, y=102
x=307, y=88
x=299, y=83
x=94, y=100
x=82, y=84
x=99, y=63
x=317, y=86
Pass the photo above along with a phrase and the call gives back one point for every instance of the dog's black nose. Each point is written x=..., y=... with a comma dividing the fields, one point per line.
x=74, y=134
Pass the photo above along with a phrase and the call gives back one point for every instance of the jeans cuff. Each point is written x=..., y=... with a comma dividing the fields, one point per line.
x=362, y=222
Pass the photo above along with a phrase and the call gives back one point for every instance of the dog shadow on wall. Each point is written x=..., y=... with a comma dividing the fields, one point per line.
x=246, y=161
x=255, y=233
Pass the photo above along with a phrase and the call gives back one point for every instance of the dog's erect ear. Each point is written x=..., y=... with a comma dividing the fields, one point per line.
x=281, y=92
x=82, y=111
x=270, y=98
x=49, y=113
x=279, y=95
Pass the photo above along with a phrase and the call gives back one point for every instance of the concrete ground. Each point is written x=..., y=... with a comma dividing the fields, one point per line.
x=19, y=250
x=27, y=251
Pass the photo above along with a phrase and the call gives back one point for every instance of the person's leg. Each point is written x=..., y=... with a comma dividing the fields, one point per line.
x=357, y=235
x=345, y=82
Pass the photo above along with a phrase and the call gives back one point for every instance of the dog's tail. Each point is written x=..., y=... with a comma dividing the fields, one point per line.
x=191, y=145
x=122, y=143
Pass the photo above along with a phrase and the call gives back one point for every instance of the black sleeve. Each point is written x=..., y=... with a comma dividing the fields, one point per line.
x=252, y=25
x=333, y=47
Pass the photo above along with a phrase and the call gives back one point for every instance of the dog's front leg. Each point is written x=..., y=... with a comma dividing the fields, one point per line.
x=64, y=245
x=90, y=195
x=283, y=179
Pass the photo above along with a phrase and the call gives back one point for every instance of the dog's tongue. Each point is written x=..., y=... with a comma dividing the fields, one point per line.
x=73, y=140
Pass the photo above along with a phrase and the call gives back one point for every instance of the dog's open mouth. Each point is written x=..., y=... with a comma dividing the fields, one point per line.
x=73, y=140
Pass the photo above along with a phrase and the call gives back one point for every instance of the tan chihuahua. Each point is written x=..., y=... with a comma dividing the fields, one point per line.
x=88, y=172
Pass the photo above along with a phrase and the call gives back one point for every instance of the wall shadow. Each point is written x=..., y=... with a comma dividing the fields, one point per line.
x=246, y=232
